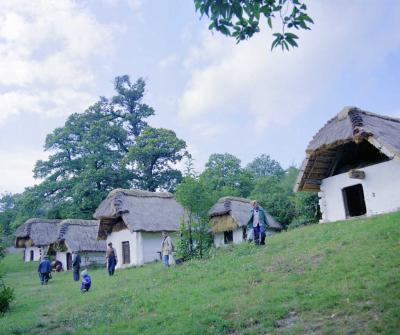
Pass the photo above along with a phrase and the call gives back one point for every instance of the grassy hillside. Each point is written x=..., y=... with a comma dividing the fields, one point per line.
x=338, y=278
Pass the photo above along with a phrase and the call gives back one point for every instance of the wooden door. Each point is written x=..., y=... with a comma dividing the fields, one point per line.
x=126, y=254
x=69, y=261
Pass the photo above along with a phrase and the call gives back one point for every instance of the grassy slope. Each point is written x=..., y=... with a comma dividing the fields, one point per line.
x=341, y=278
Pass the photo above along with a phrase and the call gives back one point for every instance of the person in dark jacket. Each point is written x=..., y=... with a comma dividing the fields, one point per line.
x=76, y=265
x=111, y=259
x=86, y=281
x=258, y=222
x=44, y=270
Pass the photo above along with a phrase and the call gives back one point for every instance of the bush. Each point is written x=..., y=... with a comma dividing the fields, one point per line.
x=6, y=296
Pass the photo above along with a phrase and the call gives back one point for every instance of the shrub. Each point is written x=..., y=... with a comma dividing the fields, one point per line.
x=6, y=296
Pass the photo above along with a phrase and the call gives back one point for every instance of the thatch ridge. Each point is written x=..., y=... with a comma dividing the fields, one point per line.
x=81, y=235
x=350, y=125
x=239, y=209
x=41, y=232
x=140, y=211
x=140, y=193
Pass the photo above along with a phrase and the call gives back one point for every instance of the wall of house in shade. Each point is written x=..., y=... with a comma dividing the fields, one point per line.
x=32, y=254
x=87, y=258
x=381, y=187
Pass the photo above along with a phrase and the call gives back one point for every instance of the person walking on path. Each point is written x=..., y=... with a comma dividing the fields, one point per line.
x=44, y=269
x=111, y=259
x=76, y=265
x=167, y=247
x=258, y=222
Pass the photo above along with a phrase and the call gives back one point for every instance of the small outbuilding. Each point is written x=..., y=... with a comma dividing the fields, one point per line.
x=229, y=218
x=353, y=162
x=35, y=236
x=133, y=221
x=77, y=235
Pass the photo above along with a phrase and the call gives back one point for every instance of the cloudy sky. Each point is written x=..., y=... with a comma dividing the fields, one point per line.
x=58, y=57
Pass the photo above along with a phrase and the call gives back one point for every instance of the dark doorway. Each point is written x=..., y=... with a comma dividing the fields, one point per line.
x=354, y=201
x=228, y=237
x=244, y=233
x=126, y=253
x=69, y=261
x=32, y=255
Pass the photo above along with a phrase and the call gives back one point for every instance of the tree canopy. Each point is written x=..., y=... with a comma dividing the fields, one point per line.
x=241, y=19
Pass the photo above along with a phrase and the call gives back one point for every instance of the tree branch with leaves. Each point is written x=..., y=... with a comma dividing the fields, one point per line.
x=241, y=19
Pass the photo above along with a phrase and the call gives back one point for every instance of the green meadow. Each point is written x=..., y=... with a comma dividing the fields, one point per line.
x=336, y=278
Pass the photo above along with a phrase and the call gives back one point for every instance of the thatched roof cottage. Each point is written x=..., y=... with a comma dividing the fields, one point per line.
x=354, y=164
x=35, y=236
x=133, y=221
x=77, y=235
x=229, y=217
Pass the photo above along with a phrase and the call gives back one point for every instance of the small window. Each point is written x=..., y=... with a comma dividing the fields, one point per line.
x=354, y=202
x=228, y=237
x=126, y=254
x=32, y=255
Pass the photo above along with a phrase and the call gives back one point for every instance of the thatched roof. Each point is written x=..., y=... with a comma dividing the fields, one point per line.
x=139, y=210
x=41, y=232
x=350, y=125
x=237, y=208
x=81, y=235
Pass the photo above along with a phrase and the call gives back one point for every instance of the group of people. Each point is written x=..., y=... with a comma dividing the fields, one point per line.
x=257, y=224
x=45, y=268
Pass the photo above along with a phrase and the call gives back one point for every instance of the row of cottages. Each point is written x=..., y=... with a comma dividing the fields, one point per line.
x=354, y=164
x=77, y=235
x=61, y=238
x=132, y=220
x=229, y=218
x=35, y=236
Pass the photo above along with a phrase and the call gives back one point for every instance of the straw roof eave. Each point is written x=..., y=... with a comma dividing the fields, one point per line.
x=350, y=125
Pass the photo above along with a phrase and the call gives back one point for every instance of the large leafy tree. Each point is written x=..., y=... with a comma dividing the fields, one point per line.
x=7, y=213
x=85, y=164
x=224, y=173
x=89, y=154
x=241, y=19
x=263, y=166
x=152, y=157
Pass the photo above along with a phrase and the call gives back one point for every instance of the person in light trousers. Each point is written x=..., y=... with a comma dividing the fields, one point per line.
x=167, y=247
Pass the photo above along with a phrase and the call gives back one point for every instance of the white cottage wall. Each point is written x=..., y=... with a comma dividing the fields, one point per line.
x=237, y=238
x=381, y=191
x=219, y=239
x=37, y=252
x=62, y=257
x=135, y=246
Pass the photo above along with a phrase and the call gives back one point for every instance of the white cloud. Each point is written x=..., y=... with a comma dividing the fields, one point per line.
x=16, y=169
x=274, y=87
x=46, y=52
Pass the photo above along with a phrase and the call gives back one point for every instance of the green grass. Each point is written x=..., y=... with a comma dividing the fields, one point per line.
x=337, y=278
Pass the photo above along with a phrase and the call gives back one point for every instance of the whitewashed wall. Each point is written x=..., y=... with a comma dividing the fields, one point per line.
x=381, y=191
x=143, y=246
x=135, y=245
x=237, y=237
x=37, y=252
x=62, y=257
